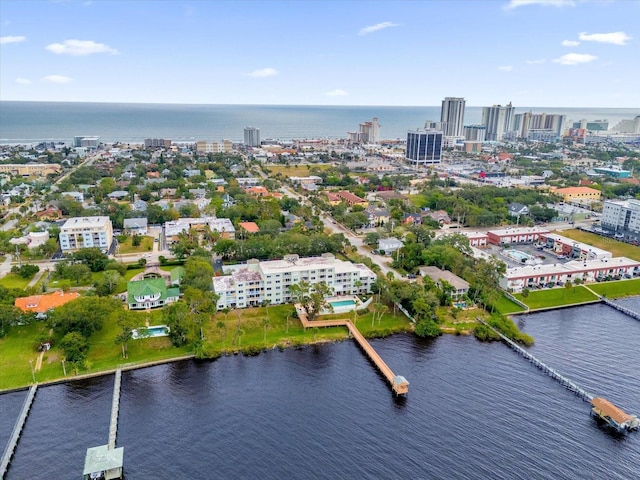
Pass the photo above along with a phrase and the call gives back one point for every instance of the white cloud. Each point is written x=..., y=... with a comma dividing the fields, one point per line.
x=79, y=48
x=547, y=3
x=12, y=39
x=23, y=81
x=505, y=68
x=376, y=27
x=570, y=43
x=575, y=58
x=337, y=93
x=537, y=61
x=264, y=72
x=59, y=79
x=615, y=38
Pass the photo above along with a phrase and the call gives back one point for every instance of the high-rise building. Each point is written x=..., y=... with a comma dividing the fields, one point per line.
x=498, y=120
x=452, y=116
x=85, y=141
x=531, y=125
x=424, y=147
x=475, y=133
x=368, y=132
x=251, y=137
x=629, y=126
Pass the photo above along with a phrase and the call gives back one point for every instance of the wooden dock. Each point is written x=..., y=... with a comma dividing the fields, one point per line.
x=115, y=406
x=399, y=384
x=17, y=430
x=564, y=381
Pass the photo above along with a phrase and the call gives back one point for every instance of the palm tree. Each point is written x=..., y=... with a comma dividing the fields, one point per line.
x=265, y=325
x=222, y=326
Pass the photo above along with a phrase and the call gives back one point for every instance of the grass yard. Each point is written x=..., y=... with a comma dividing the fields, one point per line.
x=618, y=249
x=622, y=288
x=506, y=306
x=146, y=245
x=104, y=354
x=418, y=200
x=12, y=280
x=296, y=170
x=556, y=297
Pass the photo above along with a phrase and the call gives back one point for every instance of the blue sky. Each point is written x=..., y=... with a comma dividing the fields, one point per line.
x=546, y=53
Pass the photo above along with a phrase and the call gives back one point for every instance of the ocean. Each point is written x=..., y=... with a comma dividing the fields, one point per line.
x=474, y=410
x=34, y=122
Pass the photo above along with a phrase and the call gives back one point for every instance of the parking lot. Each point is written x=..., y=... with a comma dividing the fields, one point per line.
x=540, y=256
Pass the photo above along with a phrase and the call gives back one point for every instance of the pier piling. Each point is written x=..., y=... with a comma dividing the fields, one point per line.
x=561, y=379
x=115, y=406
x=17, y=430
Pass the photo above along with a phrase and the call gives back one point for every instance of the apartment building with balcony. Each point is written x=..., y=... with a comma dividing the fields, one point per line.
x=86, y=232
x=271, y=280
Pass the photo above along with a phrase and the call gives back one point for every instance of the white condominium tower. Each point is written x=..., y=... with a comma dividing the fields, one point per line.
x=251, y=137
x=452, y=116
x=498, y=120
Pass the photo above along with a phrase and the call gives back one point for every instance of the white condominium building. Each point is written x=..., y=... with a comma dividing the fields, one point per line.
x=221, y=225
x=621, y=215
x=86, y=232
x=271, y=280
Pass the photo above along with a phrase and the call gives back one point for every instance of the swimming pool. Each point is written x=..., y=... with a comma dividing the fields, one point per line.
x=342, y=303
x=518, y=256
x=149, y=332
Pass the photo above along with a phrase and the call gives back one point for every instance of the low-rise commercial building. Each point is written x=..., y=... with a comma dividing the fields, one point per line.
x=28, y=169
x=534, y=276
x=271, y=280
x=511, y=236
x=583, y=195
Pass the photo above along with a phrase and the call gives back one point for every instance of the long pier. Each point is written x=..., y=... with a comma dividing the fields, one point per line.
x=17, y=430
x=564, y=381
x=399, y=384
x=620, y=308
x=115, y=406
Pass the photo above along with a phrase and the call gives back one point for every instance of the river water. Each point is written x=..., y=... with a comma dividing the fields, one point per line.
x=474, y=410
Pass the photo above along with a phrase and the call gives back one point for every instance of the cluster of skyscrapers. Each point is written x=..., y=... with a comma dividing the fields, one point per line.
x=499, y=123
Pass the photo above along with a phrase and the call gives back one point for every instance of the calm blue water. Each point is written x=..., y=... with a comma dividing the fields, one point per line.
x=474, y=411
x=30, y=122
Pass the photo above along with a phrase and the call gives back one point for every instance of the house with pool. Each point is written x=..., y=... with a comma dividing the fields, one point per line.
x=250, y=284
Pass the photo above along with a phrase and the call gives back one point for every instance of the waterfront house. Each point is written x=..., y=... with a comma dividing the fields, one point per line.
x=150, y=293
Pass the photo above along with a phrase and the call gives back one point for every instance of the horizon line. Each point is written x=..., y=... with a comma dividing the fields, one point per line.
x=297, y=104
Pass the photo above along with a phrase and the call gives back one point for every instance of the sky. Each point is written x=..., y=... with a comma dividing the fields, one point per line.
x=535, y=53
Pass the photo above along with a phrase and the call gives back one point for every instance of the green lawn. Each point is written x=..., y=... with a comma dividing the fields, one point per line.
x=618, y=249
x=16, y=350
x=11, y=280
x=506, y=306
x=127, y=246
x=556, y=296
x=622, y=288
x=19, y=346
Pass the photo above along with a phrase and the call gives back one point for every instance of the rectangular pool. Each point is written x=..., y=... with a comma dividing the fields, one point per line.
x=342, y=303
x=150, y=332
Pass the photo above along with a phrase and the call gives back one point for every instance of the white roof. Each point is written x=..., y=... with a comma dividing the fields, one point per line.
x=518, y=231
x=598, y=252
x=86, y=222
x=183, y=224
x=571, y=267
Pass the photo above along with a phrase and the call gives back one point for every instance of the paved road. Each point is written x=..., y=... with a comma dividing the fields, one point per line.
x=355, y=240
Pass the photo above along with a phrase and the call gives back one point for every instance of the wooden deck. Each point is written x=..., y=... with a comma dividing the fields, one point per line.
x=17, y=430
x=115, y=407
x=399, y=384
